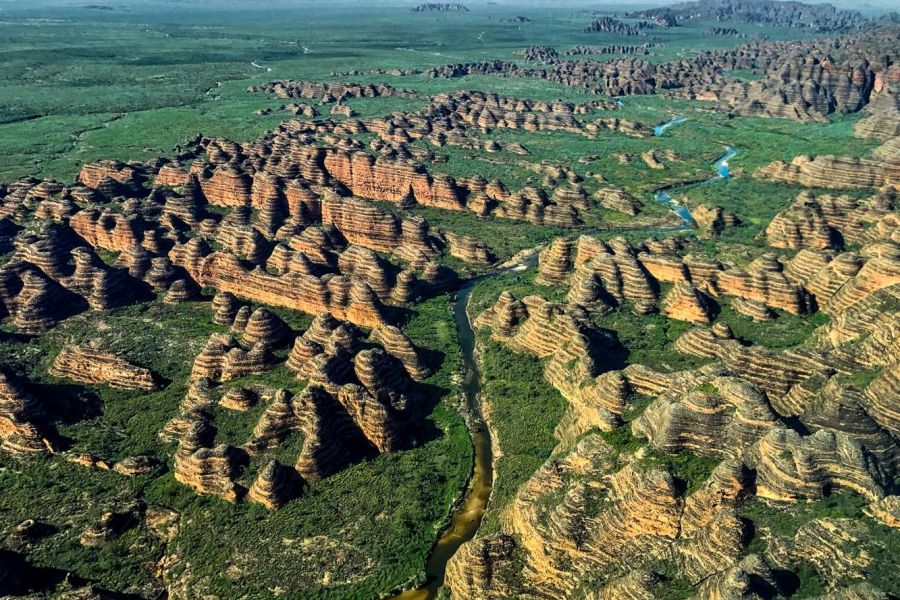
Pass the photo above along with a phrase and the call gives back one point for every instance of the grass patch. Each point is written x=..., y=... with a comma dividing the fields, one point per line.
x=524, y=411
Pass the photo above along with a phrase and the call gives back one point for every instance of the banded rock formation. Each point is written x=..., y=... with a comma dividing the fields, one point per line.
x=85, y=364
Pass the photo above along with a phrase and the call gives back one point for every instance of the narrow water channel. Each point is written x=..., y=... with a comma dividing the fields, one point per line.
x=723, y=171
x=466, y=518
x=661, y=128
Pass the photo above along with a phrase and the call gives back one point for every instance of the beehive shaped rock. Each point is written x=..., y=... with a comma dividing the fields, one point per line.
x=719, y=418
x=136, y=259
x=275, y=485
x=504, y=316
x=110, y=526
x=555, y=262
x=791, y=467
x=172, y=175
x=276, y=423
x=775, y=372
x=729, y=485
x=472, y=574
x=183, y=212
x=20, y=414
x=877, y=399
x=751, y=577
x=838, y=406
x=366, y=266
x=362, y=223
x=351, y=300
x=886, y=510
x=209, y=471
x=239, y=399
x=181, y=290
x=319, y=245
x=834, y=172
x=836, y=548
x=265, y=327
x=241, y=318
x=394, y=180
x=383, y=376
x=325, y=450
x=623, y=277
x=765, y=281
x=95, y=175
x=226, y=307
x=878, y=273
x=302, y=354
x=882, y=120
x=712, y=221
x=684, y=302
x=753, y=308
x=223, y=359
x=587, y=292
x=226, y=187
x=161, y=274
x=199, y=396
x=85, y=364
x=377, y=420
x=564, y=335
x=619, y=200
x=109, y=230
x=636, y=521
x=469, y=249
x=397, y=344
x=40, y=303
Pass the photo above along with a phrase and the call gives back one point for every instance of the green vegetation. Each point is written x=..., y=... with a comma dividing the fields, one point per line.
x=78, y=84
x=785, y=331
x=523, y=410
x=861, y=379
x=689, y=468
x=518, y=283
x=375, y=540
x=505, y=237
x=646, y=340
x=782, y=520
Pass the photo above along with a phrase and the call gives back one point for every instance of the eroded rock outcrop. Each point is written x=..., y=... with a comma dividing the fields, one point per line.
x=20, y=415
x=85, y=364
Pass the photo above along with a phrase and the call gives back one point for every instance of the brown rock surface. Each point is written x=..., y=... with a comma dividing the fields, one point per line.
x=89, y=365
x=19, y=414
x=686, y=303
x=274, y=486
x=834, y=172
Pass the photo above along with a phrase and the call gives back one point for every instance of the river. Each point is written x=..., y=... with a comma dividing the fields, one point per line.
x=467, y=515
x=723, y=171
x=661, y=128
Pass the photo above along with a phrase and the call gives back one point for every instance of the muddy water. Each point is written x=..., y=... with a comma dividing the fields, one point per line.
x=467, y=516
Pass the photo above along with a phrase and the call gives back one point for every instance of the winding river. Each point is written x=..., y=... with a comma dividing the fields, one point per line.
x=723, y=171
x=467, y=515
x=661, y=128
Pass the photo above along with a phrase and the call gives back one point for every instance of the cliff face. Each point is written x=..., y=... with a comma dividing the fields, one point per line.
x=607, y=516
x=20, y=416
x=834, y=172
